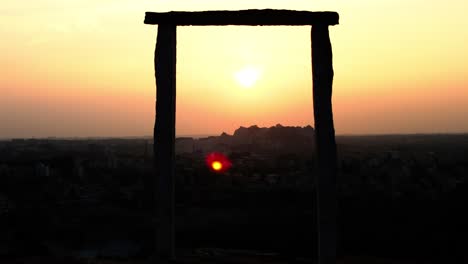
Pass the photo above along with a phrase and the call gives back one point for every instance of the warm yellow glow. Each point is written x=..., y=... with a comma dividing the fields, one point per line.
x=247, y=76
x=216, y=165
x=85, y=68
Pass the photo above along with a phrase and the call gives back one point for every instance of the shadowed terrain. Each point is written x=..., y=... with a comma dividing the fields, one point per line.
x=401, y=198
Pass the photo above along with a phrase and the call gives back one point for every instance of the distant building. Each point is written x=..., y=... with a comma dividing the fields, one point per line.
x=78, y=169
x=42, y=170
x=147, y=151
x=272, y=178
x=184, y=145
x=4, y=170
x=5, y=204
x=112, y=162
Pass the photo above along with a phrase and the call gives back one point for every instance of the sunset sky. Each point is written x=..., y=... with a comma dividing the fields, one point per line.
x=85, y=68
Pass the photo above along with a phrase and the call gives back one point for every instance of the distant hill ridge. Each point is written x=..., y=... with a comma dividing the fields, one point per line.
x=277, y=131
x=253, y=138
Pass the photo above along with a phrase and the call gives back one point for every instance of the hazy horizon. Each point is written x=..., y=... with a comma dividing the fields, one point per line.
x=85, y=69
x=218, y=134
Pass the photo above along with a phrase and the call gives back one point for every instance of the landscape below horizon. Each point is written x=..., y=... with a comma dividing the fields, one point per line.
x=401, y=198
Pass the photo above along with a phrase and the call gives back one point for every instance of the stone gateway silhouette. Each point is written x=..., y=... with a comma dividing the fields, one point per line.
x=164, y=129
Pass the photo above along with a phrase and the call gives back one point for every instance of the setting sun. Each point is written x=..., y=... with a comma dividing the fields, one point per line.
x=247, y=76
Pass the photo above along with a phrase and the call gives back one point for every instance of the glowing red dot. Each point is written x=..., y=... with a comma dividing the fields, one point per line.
x=218, y=162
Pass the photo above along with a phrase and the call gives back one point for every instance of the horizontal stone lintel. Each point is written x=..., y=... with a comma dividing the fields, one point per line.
x=250, y=17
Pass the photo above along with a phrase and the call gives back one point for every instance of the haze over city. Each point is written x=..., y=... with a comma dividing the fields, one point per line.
x=85, y=68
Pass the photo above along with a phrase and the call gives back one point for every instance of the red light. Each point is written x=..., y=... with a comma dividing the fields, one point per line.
x=218, y=162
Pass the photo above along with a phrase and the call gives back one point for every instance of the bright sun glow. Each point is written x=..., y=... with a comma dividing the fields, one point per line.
x=216, y=165
x=247, y=76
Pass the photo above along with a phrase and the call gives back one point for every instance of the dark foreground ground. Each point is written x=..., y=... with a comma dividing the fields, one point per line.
x=402, y=199
x=225, y=260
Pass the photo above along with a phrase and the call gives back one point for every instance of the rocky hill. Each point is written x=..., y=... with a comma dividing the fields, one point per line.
x=281, y=139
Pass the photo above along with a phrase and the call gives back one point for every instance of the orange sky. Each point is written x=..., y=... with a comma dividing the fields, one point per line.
x=85, y=68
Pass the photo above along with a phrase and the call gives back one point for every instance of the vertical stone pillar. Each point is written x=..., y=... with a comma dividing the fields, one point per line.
x=164, y=139
x=322, y=72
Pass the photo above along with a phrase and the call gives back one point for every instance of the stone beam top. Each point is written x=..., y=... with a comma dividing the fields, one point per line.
x=250, y=17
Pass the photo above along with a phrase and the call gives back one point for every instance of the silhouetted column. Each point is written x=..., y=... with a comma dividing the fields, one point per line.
x=164, y=139
x=322, y=71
